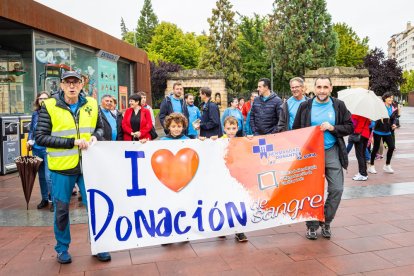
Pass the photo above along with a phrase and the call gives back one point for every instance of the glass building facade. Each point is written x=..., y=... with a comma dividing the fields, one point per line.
x=31, y=62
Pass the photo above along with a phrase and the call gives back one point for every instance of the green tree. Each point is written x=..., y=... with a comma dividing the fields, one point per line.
x=147, y=23
x=300, y=37
x=170, y=44
x=124, y=29
x=222, y=52
x=408, y=85
x=130, y=38
x=385, y=75
x=254, y=56
x=352, y=49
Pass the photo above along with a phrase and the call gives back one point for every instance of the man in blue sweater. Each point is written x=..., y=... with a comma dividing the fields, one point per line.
x=290, y=107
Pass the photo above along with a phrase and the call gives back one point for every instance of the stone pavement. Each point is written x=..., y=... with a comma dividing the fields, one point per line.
x=373, y=234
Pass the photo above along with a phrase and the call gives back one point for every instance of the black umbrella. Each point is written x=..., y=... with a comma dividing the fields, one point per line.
x=28, y=166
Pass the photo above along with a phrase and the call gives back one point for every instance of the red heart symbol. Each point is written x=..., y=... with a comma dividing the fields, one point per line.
x=175, y=171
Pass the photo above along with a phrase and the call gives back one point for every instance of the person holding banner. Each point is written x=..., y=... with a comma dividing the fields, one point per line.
x=231, y=128
x=67, y=124
x=176, y=123
x=335, y=121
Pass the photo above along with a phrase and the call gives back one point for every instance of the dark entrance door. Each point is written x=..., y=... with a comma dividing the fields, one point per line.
x=336, y=89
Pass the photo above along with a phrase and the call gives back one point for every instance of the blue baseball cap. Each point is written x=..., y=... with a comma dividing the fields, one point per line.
x=71, y=74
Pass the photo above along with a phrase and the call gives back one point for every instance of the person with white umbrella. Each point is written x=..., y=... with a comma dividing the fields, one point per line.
x=383, y=131
x=364, y=103
x=360, y=139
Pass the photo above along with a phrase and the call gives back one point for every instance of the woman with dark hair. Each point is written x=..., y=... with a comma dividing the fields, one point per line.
x=241, y=103
x=383, y=131
x=45, y=181
x=136, y=123
x=234, y=111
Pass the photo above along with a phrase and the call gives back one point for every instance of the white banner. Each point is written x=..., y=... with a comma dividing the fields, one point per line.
x=171, y=191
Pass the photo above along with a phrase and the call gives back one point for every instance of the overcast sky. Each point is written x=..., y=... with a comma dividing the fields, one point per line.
x=376, y=19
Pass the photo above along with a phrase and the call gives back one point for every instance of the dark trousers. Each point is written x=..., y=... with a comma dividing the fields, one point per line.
x=360, y=149
x=335, y=177
x=390, y=143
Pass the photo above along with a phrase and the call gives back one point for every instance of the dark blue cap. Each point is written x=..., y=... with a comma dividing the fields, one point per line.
x=71, y=74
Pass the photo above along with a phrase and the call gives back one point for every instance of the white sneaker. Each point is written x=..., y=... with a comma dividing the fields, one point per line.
x=360, y=177
x=388, y=169
x=371, y=169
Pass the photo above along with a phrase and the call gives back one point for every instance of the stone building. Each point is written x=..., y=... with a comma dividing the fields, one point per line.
x=342, y=78
x=193, y=80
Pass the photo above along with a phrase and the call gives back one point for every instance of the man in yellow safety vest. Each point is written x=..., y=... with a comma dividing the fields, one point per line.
x=68, y=123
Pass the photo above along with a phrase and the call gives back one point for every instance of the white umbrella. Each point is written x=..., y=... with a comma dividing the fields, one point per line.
x=363, y=102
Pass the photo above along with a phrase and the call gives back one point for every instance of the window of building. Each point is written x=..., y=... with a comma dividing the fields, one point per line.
x=52, y=59
x=16, y=71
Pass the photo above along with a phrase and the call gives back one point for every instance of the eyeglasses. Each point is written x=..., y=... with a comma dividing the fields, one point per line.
x=42, y=99
x=295, y=87
x=74, y=82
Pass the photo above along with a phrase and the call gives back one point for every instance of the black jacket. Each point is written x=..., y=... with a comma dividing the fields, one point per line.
x=385, y=125
x=343, y=124
x=44, y=130
x=264, y=115
x=107, y=130
x=166, y=109
x=210, y=120
x=284, y=117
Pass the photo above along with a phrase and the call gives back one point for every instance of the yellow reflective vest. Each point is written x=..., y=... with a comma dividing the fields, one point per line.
x=64, y=125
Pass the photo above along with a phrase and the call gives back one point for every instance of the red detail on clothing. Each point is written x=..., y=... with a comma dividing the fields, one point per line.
x=246, y=108
x=145, y=124
x=361, y=125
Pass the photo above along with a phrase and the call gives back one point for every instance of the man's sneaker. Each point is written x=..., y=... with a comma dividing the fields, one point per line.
x=371, y=169
x=241, y=237
x=326, y=231
x=311, y=233
x=360, y=177
x=388, y=169
x=44, y=203
x=103, y=257
x=64, y=257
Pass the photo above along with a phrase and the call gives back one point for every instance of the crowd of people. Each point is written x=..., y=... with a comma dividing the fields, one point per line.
x=67, y=122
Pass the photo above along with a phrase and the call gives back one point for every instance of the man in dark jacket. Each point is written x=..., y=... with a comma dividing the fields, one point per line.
x=334, y=119
x=265, y=111
x=67, y=123
x=290, y=107
x=109, y=121
x=210, y=116
x=173, y=103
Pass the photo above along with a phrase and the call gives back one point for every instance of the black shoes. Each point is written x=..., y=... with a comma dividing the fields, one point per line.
x=326, y=231
x=241, y=237
x=103, y=257
x=311, y=233
x=44, y=203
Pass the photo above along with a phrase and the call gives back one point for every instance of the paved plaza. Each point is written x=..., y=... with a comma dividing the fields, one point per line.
x=373, y=234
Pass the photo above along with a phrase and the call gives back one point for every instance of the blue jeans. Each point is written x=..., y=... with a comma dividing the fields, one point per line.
x=45, y=180
x=62, y=192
